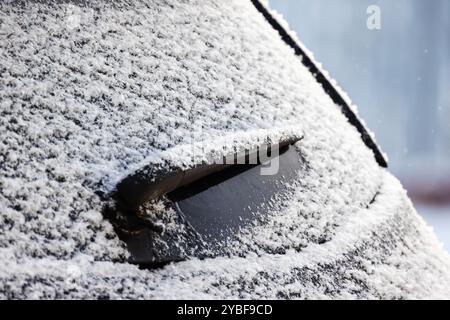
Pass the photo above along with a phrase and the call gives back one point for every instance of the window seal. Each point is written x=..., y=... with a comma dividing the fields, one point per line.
x=328, y=87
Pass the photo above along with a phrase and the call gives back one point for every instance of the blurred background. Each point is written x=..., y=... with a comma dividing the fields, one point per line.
x=399, y=77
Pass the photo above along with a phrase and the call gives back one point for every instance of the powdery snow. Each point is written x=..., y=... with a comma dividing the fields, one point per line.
x=91, y=92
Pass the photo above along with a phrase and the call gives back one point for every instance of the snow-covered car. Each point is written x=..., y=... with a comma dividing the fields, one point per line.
x=113, y=116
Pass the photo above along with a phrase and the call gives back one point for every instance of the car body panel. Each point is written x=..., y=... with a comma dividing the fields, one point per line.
x=92, y=91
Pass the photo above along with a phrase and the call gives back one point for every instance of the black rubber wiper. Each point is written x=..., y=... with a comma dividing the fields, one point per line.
x=151, y=183
x=202, y=207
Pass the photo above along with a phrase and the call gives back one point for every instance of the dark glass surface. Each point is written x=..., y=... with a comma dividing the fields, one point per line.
x=218, y=205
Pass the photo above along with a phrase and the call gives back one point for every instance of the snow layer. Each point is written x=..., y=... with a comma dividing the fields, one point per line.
x=92, y=91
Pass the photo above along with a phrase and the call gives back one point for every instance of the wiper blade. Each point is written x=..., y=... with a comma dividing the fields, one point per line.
x=202, y=208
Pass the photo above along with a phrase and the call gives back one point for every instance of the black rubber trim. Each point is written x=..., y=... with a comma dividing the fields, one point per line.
x=326, y=84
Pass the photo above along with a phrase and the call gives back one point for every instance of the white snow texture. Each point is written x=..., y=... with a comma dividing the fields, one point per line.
x=92, y=90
